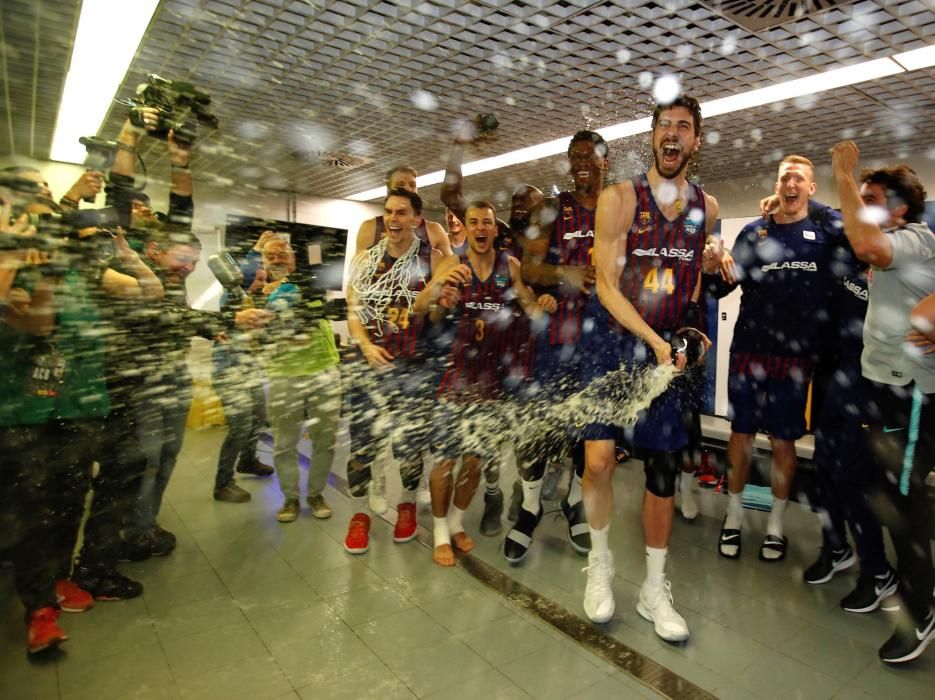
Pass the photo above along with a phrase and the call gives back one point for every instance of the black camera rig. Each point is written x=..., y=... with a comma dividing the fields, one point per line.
x=181, y=107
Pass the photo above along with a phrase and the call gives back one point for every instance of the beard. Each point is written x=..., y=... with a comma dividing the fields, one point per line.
x=670, y=172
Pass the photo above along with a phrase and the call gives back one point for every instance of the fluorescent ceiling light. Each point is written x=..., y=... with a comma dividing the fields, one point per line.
x=109, y=32
x=918, y=58
x=820, y=82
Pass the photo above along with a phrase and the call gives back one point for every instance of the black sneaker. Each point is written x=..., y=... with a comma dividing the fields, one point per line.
x=579, y=534
x=257, y=468
x=490, y=525
x=908, y=644
x=516, y=501
x=829, y=562
x=162, y=542
x=516, y=545
x=136, y=548
x=106, y=584
x=870, y=590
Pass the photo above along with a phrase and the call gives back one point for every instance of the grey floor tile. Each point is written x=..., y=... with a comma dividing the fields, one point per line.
x=759, y=620
x=142, y=671
x=721, y=650
x=206, y=651
x=28, y=679
x=777, y=676
x=366, y=604
x=443, y=664
x=202, y=585
x=829, y=652
x=552, y=672
x=389, y=637
x=465, y=611
x=325, y=660
x=293, y=623
x=505, y=639
x=689, y=669
x=374, y=683
x=291, y=590
x=493, y=685
x=104, y=632
x=342, y=579
x=905, y=682
x=613, y=687
x=191, y=618
x=255, y=573
x=248, y=679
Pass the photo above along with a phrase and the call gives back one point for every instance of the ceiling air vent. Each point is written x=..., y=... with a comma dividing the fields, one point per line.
x=756, y=16
x=344, y=161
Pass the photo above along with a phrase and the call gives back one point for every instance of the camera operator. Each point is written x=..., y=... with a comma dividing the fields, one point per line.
x=238, y=382
x=156, y=342
x=53, y=397
x=133, y=204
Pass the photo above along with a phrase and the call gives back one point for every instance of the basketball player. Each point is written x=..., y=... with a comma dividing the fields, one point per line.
x=558, y=258
x=392, y=287
x=487, y=305
x=648, y=249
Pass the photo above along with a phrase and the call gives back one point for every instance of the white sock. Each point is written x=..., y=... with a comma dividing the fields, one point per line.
x=408, y=495
x=599, y=544
x=774, y=524
x=440, y=529
x=734, y=511
x=455, y=519
x=656, y=565
x=359, y=504
x=688, y=485
x=574, y=490
x=532, y=495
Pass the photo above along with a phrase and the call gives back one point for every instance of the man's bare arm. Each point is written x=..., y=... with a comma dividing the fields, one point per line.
x=452, y=194
x=615, y=211
x=867, y=239
x=438, y=238
x=365, y=236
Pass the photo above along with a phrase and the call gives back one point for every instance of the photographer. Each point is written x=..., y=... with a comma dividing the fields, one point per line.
x=133, y=204
x=238, y=382
x=53, y=397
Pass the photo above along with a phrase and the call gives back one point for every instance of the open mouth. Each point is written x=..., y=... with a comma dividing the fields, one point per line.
x=790, y=199
x=671, y=152
x=480, y=239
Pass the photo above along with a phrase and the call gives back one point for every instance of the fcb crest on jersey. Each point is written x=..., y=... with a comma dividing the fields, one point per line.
x=690, y=228
x=500, y=281
x=568, y=213
x=645, y=218
x=761, y=233
x=381, y=267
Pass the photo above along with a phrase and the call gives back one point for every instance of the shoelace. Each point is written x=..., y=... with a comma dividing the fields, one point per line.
x=665, y=590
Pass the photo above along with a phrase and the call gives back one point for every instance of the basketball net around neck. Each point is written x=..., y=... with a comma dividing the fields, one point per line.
x=376, y=293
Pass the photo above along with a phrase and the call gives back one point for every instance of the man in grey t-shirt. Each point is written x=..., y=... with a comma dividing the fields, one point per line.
x=882, y=220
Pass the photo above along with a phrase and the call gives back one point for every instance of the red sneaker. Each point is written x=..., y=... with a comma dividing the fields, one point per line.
x=358, y=534
x=43, y=630
x=406, y=524
x=71, y=597
x=707, y=472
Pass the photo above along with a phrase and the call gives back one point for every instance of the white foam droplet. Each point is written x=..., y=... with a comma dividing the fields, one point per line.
x=666, y=89
x=424, y=100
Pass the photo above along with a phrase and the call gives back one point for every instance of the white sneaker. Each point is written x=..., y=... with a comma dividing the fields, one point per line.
x=688, y=487
x=655, y=605
x=376, y=499
x=598, y=595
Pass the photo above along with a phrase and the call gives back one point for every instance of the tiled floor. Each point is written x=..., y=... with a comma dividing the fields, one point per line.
x=249, y=608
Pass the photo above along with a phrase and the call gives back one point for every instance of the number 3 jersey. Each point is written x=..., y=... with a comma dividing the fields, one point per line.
x=663, y=257
x=483, y=334
x=400, y=331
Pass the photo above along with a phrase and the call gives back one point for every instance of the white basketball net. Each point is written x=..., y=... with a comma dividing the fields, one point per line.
x=374, y=295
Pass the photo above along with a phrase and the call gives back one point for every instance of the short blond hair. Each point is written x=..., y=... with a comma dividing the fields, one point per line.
x=799, y=160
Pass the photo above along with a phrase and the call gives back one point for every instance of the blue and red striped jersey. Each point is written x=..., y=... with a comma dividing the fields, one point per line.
x=402, y=333
x=486, y=335
x=663, y=257
x=571, y=244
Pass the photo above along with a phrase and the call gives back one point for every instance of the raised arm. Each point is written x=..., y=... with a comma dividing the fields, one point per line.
x=452, y=194
x=616, y=208
x=867, y=239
